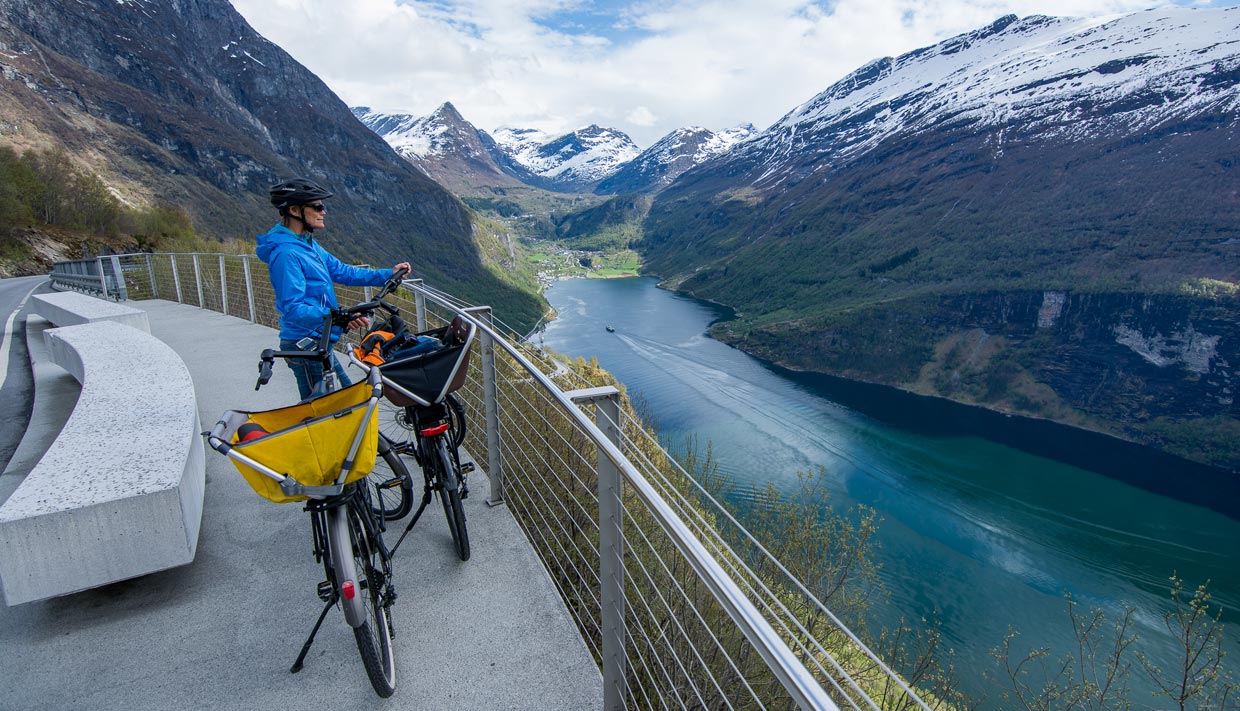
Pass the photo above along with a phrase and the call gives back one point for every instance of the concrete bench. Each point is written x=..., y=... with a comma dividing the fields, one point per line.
x=69, y=308
x=119, y=493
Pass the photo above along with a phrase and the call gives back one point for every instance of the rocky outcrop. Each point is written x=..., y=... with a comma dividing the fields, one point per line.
x=1130, y=364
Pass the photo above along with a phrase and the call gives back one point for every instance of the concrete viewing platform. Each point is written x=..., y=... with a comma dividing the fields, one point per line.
x=221, y=632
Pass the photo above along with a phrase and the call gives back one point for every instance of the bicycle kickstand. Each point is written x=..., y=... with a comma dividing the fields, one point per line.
x=426, y=499
x=305, y=649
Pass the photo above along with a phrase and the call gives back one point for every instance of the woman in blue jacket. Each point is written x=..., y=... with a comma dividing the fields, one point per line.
x=302, y=273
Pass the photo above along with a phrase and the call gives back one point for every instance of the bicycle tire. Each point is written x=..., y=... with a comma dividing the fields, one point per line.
x=390, y=502
x=450, y=495
x=456, y=415
x=374, y=634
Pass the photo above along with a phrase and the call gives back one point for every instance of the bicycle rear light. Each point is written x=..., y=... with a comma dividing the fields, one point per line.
x=348, y=590
x=436, y=430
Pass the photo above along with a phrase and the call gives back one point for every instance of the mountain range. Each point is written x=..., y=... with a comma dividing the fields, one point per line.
x=605, y=161
x=1087, y=137
x=1042, y=215
x=1002, y=218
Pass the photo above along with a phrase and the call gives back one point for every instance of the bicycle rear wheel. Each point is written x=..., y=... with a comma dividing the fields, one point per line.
x=450, y=495
x=456, y=415
x=390, y=483
x=374, y=634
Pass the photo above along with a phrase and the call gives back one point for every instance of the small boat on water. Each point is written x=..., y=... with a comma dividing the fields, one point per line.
x=611, y=329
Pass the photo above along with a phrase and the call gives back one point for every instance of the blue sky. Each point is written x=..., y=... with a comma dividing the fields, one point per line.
x=645, y=67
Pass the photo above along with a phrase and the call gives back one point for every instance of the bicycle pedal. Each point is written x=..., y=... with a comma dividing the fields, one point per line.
x=467, y=468
x=390, y=484
x=325, y=591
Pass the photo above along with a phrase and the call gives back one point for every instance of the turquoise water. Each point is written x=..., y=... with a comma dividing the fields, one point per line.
x=986, y=534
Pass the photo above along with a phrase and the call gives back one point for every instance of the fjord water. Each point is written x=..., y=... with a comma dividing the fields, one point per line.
x=987, y=535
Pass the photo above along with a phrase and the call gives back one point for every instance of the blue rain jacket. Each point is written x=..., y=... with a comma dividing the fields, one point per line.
x=302, y=273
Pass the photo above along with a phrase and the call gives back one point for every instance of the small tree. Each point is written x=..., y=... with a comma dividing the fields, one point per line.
x=1095, y=675
x=1199, y=680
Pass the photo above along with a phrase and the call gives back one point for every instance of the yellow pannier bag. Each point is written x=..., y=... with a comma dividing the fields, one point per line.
x=310, y=441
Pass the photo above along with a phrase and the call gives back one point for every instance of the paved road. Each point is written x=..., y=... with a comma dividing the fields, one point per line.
x=16, y=383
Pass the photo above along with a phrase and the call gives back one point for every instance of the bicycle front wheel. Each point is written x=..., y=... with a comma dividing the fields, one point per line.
x=374, y=635
x=390, y=483
x=450, y=495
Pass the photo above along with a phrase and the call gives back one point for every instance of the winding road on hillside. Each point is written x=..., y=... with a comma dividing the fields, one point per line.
x=16, y=382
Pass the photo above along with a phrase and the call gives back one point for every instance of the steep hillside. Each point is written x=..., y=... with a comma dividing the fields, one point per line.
x=184, y=103
x=615, y=224
x=1035, y=156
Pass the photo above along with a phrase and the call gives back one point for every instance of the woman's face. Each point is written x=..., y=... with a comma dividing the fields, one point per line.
x=313, y=214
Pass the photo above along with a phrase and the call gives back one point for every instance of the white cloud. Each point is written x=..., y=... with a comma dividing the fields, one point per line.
x=646, y=68
x=641, y=116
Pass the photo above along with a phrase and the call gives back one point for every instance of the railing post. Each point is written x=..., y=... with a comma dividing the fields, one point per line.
x=198, y=282
x=490, y=398
x=103, y=280
x=249, y=287
x=176, y=278
x=223, y=288
x=419, y=306
x=150, y=272
x=610, y=545
x=122, y=293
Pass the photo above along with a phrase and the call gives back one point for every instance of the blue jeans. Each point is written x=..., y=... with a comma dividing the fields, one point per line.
x=309, y=373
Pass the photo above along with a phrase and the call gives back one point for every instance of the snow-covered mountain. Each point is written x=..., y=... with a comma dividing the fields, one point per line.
x=573, y=162
x=682, y=149
x=1048, y=79
x=1065, y=150
x=445, y=146
x=521, y=144
x=452, y=150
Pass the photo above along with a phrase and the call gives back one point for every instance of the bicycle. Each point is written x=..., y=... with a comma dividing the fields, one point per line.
x=428, y=422
x=293, y=454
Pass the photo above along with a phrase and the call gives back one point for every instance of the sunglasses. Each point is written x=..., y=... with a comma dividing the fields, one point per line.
x=320, y=207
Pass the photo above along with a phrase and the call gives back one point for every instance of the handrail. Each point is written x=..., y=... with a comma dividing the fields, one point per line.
x=791, y=673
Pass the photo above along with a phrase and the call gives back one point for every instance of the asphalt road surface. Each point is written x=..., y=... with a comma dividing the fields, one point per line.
x=16, y=381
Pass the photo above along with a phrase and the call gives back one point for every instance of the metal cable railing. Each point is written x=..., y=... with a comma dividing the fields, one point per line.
x=680, y=605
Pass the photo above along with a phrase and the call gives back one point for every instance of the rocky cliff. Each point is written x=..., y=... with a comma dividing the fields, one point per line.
x=183, y=102
x=1157, y=369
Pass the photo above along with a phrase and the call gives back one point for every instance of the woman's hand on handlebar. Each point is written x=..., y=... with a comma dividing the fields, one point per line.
x=356, y=317
x=399, y=272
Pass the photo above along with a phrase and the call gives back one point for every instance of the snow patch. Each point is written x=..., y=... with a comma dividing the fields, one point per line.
x=1189, y=348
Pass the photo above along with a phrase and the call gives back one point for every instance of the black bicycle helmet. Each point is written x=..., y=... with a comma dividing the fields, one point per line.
x=297, y=191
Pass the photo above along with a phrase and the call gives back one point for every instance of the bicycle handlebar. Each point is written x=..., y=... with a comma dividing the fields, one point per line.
x=336, y=317
x=264, y=368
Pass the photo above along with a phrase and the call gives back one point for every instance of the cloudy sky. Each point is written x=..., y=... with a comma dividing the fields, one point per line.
x=645, y=67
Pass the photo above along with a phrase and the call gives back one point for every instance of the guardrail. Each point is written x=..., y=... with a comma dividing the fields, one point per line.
x=101, y=275
x=680, y=605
